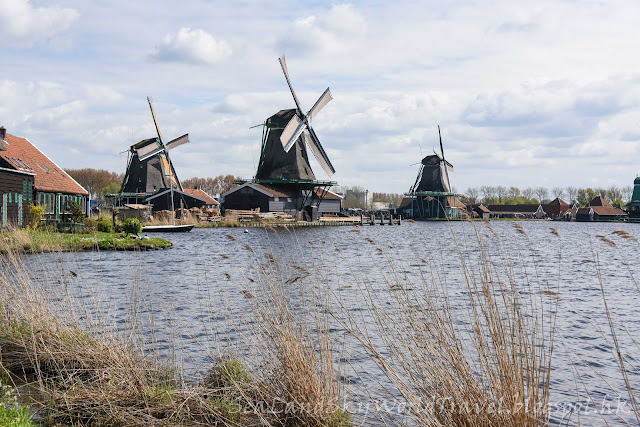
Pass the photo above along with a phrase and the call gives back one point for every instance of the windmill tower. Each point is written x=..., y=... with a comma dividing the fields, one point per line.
x=285, y=137
x=151, y=174
x=430, y=195
x=284, y=163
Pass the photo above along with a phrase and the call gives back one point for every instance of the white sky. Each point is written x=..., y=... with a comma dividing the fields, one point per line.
x=526, y=93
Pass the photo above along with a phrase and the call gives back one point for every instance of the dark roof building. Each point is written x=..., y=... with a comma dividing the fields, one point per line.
x=517, y=211
x=196, y=192
x=558, y=209
x=599, y=209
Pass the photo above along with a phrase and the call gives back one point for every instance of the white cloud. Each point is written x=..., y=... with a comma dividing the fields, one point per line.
x=23, y=24
x=193, y=46
x=337, y=31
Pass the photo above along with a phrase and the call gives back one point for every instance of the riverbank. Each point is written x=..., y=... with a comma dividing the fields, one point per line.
x=35, y=241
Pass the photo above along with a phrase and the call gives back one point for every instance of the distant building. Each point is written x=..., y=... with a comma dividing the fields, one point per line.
x=523, y=211
x=599, y=209
x=633, y=207
x=558, y=209
x=482, y=211
x=42, y=182
x=210, y=202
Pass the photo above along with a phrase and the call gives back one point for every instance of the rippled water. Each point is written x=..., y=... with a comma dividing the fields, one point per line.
x=194, y=296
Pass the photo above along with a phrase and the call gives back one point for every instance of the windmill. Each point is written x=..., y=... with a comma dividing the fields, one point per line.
x=434, y=173
x=151, y=177
x=149, y=168
x=430, y=196
x=285, y=138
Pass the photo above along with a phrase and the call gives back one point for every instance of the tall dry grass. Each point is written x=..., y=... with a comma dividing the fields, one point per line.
x=483, y=358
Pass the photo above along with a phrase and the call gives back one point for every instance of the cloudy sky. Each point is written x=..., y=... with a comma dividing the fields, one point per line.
x=526, y=93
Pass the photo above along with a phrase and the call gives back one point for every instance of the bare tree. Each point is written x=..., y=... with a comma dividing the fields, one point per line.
x=627, y=193
x=572, y=194
x=514, y=192
x=501, y=192
x=472, y=194
x=558, y=192
x=541, y=193
x=527, y=193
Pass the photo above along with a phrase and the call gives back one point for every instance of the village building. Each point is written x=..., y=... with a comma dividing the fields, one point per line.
x=599, y=209
x=521, y=211
x=558, y=209
x=266, y=198
x=39, y=181
x=210, y=202
x=481, y=211
x=633, y=207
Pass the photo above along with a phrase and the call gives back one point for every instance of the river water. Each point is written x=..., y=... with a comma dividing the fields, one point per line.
x=195, y=301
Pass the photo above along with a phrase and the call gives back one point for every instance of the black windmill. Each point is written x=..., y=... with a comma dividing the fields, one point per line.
x=150, y=177
x=284, y=162
x=431, y=195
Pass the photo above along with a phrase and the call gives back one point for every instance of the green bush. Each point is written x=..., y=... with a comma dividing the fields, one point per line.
x=131, y=226
x=76, y=211
x=105, y=224
x=90, y=225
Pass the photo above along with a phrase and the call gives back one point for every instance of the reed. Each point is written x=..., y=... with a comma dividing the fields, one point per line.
x=485, y=361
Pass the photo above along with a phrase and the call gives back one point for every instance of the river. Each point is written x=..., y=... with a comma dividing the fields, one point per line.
x=197, y=297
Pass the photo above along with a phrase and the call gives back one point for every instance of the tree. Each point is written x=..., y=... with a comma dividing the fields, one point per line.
x=585, y=195
x=558, y=192
x=541, y=193
x=501, y=192
x=472, y=195
x=513, y=192
x=213, y=186
x=96, y=181
x=527, y=193
x=572, y=193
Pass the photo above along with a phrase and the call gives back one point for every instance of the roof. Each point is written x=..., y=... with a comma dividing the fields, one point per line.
x=556, y=207
x=608, y=211
x=22, y=155
x=482, y=208
x=202, y=195
x=328, y=195
x=137, y=206
x=264, y=189
x=599, y=201
x=522, y=208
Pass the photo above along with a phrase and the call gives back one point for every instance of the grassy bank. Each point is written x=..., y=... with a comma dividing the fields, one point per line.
x=35, y=241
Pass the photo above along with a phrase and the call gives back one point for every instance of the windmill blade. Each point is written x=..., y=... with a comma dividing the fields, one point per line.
x=299, y=126
x=178, y=141
x=149, y=154
x=444, y=162
x=314, y=143
x=320, y=103
x=155, y=122
x=283, y=64
x=152, y=147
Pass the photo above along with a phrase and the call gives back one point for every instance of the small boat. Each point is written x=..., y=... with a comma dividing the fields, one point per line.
x=180, y=228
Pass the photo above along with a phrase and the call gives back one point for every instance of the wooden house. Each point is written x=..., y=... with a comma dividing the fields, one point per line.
x=42, y=182
x=599, y=209
x=558, y=209
x=481, y=211
x=210, y=202
x=523, y=211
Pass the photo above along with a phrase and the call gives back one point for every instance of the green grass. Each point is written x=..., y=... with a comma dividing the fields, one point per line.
x=13, y=414
x=33, y=241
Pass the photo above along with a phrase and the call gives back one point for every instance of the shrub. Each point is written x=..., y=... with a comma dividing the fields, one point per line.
x=36, y=212
x=131, y=226
x=104, y=224
x=90, y=225
x=76, y=211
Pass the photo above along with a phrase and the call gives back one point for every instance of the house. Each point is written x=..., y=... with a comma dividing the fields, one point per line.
x=210, y=202
x=599, y=209
x=50, y=186
x=558, y=209
x=633, y=207
x=530, y=211
x=267, y=198
x=481, y=211
x=16, y=193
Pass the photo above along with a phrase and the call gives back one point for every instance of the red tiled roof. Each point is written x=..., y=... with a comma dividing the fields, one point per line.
x=608, y=211
x=556, y=207
x=201, y=194
x=22, y=155
x=482, y=208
